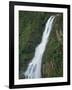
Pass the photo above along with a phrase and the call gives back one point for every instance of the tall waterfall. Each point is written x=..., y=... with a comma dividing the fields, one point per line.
x=34, y=67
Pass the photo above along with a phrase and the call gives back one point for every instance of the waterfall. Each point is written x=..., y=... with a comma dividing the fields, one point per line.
x=34, y=67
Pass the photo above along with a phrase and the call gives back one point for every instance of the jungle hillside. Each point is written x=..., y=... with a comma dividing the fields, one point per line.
x=31, y=27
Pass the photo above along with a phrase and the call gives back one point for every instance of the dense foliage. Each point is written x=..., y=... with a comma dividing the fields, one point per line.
x=31, y=27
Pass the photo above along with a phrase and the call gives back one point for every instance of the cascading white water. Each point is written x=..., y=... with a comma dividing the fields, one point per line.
x=34, y=67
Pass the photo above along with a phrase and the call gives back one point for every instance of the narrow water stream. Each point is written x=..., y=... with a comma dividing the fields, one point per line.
x=34, y=67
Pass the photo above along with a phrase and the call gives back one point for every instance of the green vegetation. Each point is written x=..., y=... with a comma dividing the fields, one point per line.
x=31, y=27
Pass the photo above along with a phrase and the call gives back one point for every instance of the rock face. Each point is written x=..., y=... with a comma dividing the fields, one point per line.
x=31, y=26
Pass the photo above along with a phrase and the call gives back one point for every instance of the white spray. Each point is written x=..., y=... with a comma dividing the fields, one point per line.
x=34, y=67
